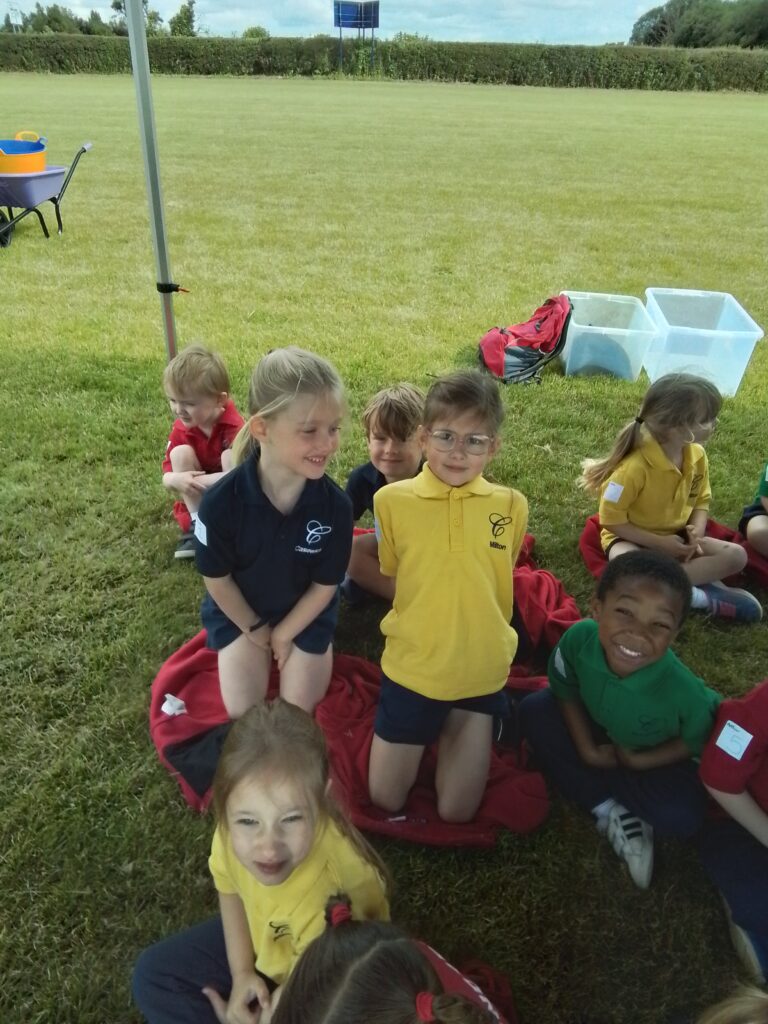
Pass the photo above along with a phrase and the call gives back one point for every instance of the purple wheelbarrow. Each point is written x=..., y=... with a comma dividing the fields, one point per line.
x=26, y=192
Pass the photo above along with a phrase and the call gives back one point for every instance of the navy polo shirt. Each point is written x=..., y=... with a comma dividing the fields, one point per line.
x=362, y=484
x=273, y=558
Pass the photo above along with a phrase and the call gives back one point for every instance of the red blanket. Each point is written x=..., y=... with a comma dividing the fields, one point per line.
x=188, y=743
x=594, y=556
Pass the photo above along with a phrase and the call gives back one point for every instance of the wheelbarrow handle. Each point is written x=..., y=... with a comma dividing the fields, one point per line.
x=86, y=146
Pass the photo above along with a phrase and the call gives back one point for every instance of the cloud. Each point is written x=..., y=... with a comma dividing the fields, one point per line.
x=547, y=21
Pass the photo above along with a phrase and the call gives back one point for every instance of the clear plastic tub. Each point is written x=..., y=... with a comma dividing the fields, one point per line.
x=607, y=334
x=706, y=333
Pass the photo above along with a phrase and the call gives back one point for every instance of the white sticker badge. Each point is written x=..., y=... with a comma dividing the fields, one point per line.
x=613, y=491
x=559, y=663
x=200, y=532
x=733, y=740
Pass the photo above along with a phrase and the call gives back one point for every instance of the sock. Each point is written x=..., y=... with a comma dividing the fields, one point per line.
x=698, y=598
x=604, y=809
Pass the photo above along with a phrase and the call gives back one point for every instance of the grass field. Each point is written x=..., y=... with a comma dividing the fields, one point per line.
x=386, y=226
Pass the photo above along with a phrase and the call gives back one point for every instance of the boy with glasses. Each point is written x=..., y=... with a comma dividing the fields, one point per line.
x=450, y=539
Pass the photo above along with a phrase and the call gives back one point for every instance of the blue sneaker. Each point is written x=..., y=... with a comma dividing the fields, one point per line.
x=353, y=593
x=731, y=603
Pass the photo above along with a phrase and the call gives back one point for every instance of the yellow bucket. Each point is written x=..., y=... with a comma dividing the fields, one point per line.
x=25, y=154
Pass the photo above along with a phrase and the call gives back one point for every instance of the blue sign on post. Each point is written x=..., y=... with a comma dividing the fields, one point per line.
x=356, y=14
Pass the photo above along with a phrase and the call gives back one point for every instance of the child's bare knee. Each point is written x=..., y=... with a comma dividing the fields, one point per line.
x=737, y=557
x=455, y=812
x=384, y=798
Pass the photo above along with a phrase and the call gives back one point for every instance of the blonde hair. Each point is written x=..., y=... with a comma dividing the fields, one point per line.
x=196, y=371
x=279, y=378
x=675, y=401
x=397, y=411
x=275, y=739
x=747, y=1005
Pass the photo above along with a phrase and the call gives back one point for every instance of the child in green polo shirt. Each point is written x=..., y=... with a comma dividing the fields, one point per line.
x=623, y=719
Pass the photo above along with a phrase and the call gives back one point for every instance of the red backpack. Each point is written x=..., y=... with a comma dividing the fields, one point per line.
x=518, y=353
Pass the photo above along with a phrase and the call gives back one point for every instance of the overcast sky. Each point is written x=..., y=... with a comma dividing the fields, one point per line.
x=518, y=21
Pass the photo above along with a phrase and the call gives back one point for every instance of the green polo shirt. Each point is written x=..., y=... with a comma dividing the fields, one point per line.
x=664, y=701
x=762, y=487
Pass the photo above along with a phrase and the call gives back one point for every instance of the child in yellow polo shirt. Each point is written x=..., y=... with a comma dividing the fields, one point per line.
x=450, y=539
x=655, y=493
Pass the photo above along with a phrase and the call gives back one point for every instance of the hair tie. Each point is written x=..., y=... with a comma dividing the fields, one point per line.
x=340, y=912
x=424, y=1008
x=638, y=419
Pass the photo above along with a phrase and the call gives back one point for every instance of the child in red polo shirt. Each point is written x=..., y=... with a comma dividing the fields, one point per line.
x=196, y=384
x=734, y=850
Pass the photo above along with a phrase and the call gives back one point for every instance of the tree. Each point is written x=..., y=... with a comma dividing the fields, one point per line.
x=702, y=25
x=657, y=27
x=255, y=32
x=746, y=23
x=183, y=22
x=152, y=19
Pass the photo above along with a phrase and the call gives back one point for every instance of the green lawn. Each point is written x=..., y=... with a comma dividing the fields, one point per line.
x=386, y=226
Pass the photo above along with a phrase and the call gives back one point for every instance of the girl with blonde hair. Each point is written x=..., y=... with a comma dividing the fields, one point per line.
x=655, y=493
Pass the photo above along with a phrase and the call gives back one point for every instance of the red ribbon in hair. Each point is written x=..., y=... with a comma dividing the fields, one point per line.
x=424, y=1010
x=340, y=913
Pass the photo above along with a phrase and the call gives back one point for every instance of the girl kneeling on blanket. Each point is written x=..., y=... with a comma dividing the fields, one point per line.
x=281, y=848
x=655, y=493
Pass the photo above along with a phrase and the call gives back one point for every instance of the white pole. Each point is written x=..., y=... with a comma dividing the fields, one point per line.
x=140, y=60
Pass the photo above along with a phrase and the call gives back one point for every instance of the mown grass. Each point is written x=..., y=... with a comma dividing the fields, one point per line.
x=386, y=226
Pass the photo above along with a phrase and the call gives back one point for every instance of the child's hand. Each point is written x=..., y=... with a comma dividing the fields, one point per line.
x=187, y=482
x=248, y=990
x=694, y=536
x=676, y=547
x=603, y=755
x=281, y=647
x=261, y=638
x=630, y=758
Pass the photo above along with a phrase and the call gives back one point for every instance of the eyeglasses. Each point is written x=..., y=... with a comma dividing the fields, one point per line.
x=473, y=444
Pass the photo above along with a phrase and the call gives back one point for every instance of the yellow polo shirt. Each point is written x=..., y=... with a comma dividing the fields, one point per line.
x=649, y=491
x=451, y=551
x=283, y=919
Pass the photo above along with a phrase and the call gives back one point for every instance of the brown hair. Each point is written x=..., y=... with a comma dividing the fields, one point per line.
x=278, y=378
x=196, y=371
x=366, y=971
x=747, y=1005
x=278, y=739
x=675, y=401
x=397, y=411
x=465, y=391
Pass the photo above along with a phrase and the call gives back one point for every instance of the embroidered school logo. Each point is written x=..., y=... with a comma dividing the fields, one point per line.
x=695, y=484
x=498, y=523
x=315, y=531
x=281, y=931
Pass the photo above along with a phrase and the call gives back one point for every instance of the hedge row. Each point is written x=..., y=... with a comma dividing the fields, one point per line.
x=608, y=67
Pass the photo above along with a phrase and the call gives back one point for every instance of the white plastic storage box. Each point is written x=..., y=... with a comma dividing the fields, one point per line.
x=607, y=334
x=706, y=333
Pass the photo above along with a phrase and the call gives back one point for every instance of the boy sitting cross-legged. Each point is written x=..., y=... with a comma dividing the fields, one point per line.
x=198, y=454
x=392, y=420
x=623, y=719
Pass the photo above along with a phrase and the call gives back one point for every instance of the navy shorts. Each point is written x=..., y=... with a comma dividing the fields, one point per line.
x=750, y=511
x=404, y=716
x=313, y=639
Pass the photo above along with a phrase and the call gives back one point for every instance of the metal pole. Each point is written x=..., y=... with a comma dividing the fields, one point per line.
x=140, y=60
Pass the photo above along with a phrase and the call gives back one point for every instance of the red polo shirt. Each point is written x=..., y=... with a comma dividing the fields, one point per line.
x=736, y=757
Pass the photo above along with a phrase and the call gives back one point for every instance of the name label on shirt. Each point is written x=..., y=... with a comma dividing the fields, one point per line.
x=733, y=740
x=200, y=532
x=613, y=491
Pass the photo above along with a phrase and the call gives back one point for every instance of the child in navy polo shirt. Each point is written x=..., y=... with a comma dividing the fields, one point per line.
x=391, y=419
x=623, y=718
x=273, y=537
x=734, y=850
x=198, y=454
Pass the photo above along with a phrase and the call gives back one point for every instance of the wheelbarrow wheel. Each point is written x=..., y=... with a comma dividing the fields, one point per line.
x=5, y=236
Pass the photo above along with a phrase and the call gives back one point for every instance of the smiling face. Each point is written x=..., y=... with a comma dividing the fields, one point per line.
x=302, y=437
x=458, y=466
x=636, y=622
x=272, y=827
x=394, y=459
x=197, y=410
